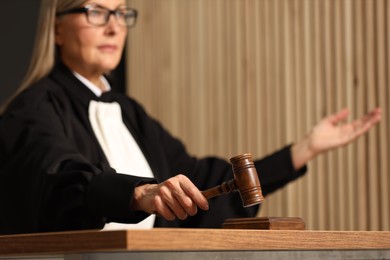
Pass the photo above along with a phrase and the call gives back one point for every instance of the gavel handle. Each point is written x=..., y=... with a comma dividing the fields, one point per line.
x=223, y=188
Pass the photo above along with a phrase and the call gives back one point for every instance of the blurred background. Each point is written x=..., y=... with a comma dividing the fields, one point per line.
x=17, y=23
x=235, y=76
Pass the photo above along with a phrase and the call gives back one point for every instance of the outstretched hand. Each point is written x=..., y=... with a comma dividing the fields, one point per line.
x=331, y=132
x=174, y=198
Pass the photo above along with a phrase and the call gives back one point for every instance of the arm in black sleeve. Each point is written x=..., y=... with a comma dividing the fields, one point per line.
x=276, y=170
x=46, y=184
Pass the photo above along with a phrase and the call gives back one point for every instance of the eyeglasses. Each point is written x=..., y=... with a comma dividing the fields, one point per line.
x=99, y=16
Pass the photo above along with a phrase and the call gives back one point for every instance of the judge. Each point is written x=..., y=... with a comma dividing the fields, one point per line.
x=77, y=155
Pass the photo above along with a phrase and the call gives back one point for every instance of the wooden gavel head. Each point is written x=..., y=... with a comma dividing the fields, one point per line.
x=246, y=180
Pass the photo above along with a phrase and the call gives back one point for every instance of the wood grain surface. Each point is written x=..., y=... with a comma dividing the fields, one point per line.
x=190, y=240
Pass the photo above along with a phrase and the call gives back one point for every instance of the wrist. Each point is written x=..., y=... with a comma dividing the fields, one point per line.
x=302, y=152
x=139, y=194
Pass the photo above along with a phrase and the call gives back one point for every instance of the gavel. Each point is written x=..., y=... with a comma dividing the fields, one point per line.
x=245, y=181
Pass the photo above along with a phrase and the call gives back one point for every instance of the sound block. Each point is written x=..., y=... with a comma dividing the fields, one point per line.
x=266, y=223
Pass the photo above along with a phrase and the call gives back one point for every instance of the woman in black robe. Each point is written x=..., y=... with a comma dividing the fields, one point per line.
x=77, y=155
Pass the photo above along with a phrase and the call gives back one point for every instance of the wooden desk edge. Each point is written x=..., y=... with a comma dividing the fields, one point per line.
x=163, y=239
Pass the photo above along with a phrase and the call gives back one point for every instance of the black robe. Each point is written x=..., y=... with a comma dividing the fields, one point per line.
x=54, y=175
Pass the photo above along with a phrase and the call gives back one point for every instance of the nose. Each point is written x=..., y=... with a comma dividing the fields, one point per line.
x=113, y=25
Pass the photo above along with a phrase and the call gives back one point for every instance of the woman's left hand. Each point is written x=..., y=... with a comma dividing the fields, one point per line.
x=331, y=133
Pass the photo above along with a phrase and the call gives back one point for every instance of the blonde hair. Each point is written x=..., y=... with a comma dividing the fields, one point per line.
x=44, y=51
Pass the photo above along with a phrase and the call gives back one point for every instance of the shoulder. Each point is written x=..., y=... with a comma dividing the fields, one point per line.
x=43, y=92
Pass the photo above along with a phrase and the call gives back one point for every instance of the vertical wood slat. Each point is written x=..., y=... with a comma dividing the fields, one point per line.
x=309, y=81
x=373, y=180
x=289, y=93
x=384, y=102
x=299, y=97
x=330, y=106
x=340, y=103
x=382, y=80
x=350, y=100
x=360, y=82
x=320, y=83
x=252, y=75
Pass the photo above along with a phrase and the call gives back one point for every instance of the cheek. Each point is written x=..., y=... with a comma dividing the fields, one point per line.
x=82, y=42
x=122, y=39
x=123, y=36
x=87, y=39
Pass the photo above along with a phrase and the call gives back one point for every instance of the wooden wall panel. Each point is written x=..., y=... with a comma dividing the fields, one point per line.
x=234, y=76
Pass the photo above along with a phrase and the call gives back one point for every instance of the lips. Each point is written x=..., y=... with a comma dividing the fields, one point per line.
x=108, y=48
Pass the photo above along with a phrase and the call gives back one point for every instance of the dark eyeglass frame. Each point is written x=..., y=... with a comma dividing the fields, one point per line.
x=116, y=13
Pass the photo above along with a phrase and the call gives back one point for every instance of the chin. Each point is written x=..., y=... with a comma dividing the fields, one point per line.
x=107, y=69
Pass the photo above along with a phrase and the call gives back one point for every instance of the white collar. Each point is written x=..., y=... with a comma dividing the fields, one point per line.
x=95, y=89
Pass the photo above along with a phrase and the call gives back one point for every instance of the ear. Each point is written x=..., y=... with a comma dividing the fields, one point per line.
x=58, y=33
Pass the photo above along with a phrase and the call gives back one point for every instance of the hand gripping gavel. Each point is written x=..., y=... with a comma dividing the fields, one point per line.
x=246, y=182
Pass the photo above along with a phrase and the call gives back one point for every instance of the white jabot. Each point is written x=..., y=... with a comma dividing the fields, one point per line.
x=119, y=146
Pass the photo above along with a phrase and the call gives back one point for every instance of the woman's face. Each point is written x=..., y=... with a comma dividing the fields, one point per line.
x=89, y=49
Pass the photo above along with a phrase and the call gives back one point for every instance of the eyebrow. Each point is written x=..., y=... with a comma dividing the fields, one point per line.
x=123, y=5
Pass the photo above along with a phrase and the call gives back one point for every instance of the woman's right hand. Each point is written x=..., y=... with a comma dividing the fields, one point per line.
x=174, y=198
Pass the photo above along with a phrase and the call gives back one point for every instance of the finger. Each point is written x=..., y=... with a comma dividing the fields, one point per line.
x=339, y=116
x=163, y=210
x=359, y=127
x=376, y=111
x=367, y=121
x=375, y=115
x=168, y=193
x=372, y=116
x=178, y=209
x=197, y=198
x=186, y=203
